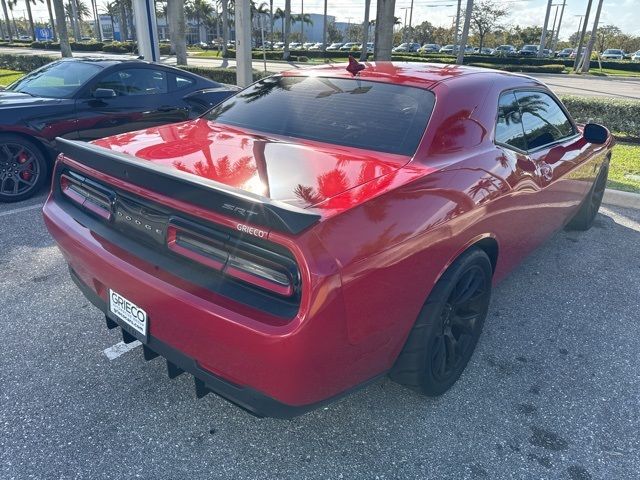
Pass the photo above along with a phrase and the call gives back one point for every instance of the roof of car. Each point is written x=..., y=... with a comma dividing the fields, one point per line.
x=105, y=62
x=424, y=75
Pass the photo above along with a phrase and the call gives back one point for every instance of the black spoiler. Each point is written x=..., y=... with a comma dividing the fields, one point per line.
x=193, y=189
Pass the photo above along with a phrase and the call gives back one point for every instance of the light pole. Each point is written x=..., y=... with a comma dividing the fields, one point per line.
x=579, y=28
x=543, y=37
x=586, y=59
x=404, y=29
x=555, y=42
x=582, y=34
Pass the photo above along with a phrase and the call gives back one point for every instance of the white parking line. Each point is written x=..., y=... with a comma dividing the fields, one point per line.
x=121, y=348
x=21, y=209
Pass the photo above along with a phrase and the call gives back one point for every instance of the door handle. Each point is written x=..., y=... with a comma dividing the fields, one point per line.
x=166, y=108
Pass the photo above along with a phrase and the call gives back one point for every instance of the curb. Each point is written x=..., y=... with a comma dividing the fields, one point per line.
x=621, y=199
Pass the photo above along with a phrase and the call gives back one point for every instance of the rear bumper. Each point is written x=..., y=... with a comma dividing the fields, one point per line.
x=254, y=402
x=278, y=370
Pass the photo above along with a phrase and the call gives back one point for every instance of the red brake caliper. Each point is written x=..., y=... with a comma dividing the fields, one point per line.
x=25, y=174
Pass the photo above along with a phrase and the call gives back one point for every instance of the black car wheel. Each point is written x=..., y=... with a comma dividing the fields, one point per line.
x=23, y=168
x=583, y=219
x=448, y=327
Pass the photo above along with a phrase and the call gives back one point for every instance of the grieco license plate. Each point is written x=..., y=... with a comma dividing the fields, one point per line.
x=129, y=313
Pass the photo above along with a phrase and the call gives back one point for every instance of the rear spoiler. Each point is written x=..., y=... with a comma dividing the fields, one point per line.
x=209, y=194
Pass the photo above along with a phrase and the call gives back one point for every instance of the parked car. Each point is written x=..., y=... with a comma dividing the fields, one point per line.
x=447, y=49
x=613, y=54
x=295, y=46
x=407, y=47
x=24, y=37
x=485, y=51
x=308, y=45
x=283, y=259
x=278, y=46
x=88, y=99
x=349, y=46
x=636, y=56
x=335, y=46
x=370, y=47
x=565, y=53
x=316, y=46
x=529, y=51
x=505, y=51
x=429, y=48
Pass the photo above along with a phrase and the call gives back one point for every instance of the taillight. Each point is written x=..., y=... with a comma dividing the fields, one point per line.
x=82, y=192
x=244, y=261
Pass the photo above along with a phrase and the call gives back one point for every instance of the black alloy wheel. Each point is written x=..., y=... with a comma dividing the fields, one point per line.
x=23, y=168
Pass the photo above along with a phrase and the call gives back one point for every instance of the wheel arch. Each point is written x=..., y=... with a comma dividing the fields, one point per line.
x=49, y=154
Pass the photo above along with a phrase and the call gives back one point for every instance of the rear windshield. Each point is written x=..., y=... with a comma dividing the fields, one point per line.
x=350, y=112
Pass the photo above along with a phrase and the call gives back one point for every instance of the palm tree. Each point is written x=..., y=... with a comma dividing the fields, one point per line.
x=51, y=20
x=61, y=25
x=96, y=20
x=111, y=9
x=286, y=28
x=6, y=19
x=225, y=26
x=365, y=31
x=259, y=11
x=201, y=10
x=177, y=26
x=302, y=18
x=32, y=28
x=76, y=15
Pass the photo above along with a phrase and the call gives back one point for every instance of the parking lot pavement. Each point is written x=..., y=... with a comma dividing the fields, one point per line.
x=551, y=392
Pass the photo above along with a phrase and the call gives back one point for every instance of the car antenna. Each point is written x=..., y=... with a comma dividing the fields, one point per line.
x=354, y=67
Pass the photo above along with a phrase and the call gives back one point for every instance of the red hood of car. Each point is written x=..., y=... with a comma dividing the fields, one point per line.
x=298, y=172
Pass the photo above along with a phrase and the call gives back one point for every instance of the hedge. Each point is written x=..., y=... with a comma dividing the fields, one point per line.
x=23, y=63
x=221, y=75
x=522, y=68
x=622, y=117
x=75, y=46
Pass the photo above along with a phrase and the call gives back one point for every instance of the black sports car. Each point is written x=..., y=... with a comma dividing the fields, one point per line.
x=86, y=99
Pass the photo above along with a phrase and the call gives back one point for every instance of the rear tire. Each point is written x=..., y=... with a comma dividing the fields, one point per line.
x=584, y=217
x=448, y=327
x=24, y=168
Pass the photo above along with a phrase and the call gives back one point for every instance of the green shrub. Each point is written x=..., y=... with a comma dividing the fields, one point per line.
x=23, y=63
x=165, y=49
x=75, y=46
x=120, y=47
x=622, y=117
x=222, y=75
x=523, y=68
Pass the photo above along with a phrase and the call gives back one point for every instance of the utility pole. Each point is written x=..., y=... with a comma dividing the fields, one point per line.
x=582, y=34
x=465, y=32
x=324, y=27
x=555, y=41
x=586, y=59
x=553, y=28
x=543, y=37
x=411, y=15
x=301, y=21
x=365, y=31
x=578, y=31
x=244, y=74
x=456, y=38
x=404, y=28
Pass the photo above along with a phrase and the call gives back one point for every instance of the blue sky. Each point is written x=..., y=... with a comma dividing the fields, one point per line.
x=623, y=13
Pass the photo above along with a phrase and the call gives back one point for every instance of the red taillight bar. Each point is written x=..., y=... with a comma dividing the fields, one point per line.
x=215, y=254
x=86, y=196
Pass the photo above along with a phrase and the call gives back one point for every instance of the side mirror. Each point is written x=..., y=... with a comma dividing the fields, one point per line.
x=594, y=133
x=104, y=93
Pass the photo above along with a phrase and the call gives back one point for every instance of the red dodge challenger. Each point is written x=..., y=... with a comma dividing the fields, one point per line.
x=320, y=229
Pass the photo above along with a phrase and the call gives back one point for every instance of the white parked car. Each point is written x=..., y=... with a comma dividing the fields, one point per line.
x=347, y=47
x=613, y=54
x=316, y=46
x=636, y=57
x=335, y=46
x=295, y=46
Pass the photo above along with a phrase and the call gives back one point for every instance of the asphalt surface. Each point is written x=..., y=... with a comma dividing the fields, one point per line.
x=551, y=391
x=591, y=86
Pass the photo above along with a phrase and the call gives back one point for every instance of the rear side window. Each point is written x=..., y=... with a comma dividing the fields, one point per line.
x=351, y=112
x=543, y=120
x=135, y=81
x=509, y=131
x=183, y=82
